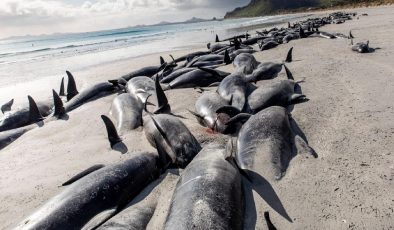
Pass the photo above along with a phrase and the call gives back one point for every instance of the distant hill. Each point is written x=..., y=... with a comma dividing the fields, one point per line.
x=267, y=7
x=192, y=20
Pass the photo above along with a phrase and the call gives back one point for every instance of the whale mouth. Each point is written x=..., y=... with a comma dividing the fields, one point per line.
x=221, y=118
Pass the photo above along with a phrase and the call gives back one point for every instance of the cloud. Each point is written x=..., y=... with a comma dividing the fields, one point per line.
x=224, y=4
x=75, y=15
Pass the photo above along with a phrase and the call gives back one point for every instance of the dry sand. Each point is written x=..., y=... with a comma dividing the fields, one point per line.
x=348, y=121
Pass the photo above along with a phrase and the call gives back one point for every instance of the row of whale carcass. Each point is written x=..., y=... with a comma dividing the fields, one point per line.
x=263, y=139
x=195, y=71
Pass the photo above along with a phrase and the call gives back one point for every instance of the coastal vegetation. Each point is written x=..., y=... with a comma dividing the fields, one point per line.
x=267, y=7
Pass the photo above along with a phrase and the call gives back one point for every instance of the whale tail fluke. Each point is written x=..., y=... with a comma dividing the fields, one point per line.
x=34, y=112
x=113, y=135
x=7, y=106
x=71, y=86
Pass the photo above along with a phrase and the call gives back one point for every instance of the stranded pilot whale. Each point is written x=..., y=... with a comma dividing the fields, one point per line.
x=76, y=99
x=105, y=191
x=36, y=119
x=208, y=194
x=268, y=151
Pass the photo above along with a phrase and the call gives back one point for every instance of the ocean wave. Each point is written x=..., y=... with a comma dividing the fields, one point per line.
x=119, y=33
x=88, y=43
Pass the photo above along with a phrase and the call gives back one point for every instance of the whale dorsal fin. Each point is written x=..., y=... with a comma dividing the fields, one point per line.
x=7, y=106
x=59, y=108
x=351, y=35
x=82, y=174
x=288, y=73
x=34, y=112
x=217, y=38
x=227, y=58
x=162, y=60
x=113, y=135
x=71, y=86
x=162, y=101
x=289, y=57
x=61, y=91
x=302, y=33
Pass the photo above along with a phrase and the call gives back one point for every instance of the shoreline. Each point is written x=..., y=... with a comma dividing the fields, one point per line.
x=40, y=89
x=348, y=121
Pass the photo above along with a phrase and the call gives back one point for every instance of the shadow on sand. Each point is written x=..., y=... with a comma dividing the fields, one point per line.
x=267, y=193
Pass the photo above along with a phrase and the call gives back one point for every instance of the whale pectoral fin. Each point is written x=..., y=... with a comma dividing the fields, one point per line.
x=297, y=99
x=122, y=81
x=243, y=172
x=242, y=118
x=299, y=142
x=99, y=219
x=34, y=112
x=210, y=71
x=267, y=218
x=169, y=150
x=303, y=147
x=229, y=110
x=165, y=160
x=227, y=58
x=214, y=84
x=192, y=62
x=82, y=174
x=7, y=106
x=200, y=119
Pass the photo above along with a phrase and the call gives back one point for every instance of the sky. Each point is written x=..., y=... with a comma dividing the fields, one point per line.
x=33, y=17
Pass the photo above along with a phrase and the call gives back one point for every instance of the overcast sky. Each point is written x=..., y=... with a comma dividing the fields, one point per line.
x=21, y=17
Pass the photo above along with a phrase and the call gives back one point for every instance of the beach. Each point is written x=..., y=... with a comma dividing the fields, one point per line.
x=348, y=121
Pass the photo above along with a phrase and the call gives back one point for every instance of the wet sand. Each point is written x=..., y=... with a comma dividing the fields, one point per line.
x=348, y=121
